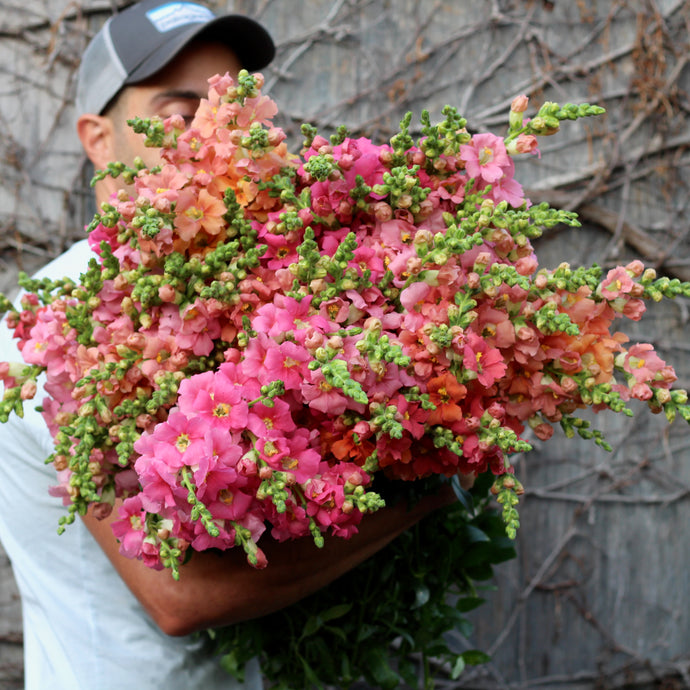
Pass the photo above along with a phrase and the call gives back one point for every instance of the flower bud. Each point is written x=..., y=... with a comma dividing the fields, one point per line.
x=345, y=209
x=261, y=560
x=144, y=421
x=62, y=418
x=662, y=396
x=28, y=390
x=679, y=396
x=635, y=268
x=496, y=410
x=422, y=238
x=319, y=142
x=382, y=211
x=167, y=292
x=473, y=280
x=275, y=136
x=527, y=143
x=541, y=281
x=120, y=282
x=508, y=482
x=440, y=164
x=519, y=104
x=405, y=201
x=418, y=158
x=386, y=157
x=246, y=466
x=60, y=463
x=335, y=342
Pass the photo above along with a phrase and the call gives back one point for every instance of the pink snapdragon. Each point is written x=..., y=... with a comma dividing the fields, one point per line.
x=260, y=336
x=485, y=157
x=482, y=359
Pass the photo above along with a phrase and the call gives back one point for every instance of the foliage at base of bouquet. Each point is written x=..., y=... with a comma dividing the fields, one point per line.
x=384, y=621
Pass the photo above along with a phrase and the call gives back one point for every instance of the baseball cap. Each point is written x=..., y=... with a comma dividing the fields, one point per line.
x=140, y=40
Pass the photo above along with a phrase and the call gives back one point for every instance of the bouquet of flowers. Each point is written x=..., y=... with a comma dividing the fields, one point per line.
x=260, y=335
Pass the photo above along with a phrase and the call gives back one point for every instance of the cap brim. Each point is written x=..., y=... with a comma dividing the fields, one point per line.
x=251, y=43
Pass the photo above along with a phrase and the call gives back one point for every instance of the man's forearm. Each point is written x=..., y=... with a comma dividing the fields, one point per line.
x=221, y=588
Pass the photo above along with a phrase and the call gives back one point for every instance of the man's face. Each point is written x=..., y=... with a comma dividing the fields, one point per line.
x=176, y=89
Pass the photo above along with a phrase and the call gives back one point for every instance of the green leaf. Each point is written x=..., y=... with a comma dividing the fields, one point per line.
x=474, y=657
x=346, y=671
x=474, y=534
x=365, y=631
x=458, y=667
x=481, y=571
x=312, y=625
x=230, y=663
x=336, y=632
x=452, y=616
x=465, y=628
x=477, y=554
x=408, y=671
x=405, y=635
x=421, y=596
x=463, y=496
x=381, y=670
x=439, y=649
x=310, y=675
x=335, y=612
x=469, y=604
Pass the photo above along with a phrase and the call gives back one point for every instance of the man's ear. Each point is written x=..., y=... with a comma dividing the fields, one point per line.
x=96, y=134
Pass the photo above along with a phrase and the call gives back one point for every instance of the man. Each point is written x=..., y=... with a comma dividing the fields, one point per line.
x=93, y=618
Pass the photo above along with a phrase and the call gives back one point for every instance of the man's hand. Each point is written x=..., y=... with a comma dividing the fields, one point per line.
x=220, y=588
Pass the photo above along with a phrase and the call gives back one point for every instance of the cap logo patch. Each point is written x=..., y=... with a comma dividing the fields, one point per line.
x=174, y=14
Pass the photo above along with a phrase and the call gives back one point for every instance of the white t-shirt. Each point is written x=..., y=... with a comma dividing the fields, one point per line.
x=83, y=628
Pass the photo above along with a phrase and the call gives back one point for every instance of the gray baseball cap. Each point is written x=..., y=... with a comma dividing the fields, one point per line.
x=140, y=40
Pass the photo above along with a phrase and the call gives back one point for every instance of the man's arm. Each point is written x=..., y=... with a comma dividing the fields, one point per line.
x=217, y=589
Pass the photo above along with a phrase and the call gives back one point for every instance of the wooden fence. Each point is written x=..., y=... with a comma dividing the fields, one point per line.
x=598, y=597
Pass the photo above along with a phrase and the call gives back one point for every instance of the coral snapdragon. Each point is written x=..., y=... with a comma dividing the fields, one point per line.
x=259, y=334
